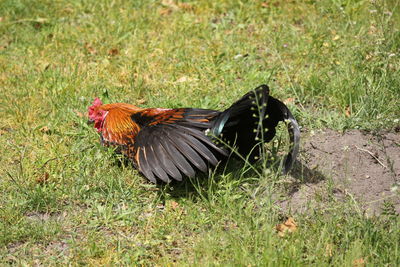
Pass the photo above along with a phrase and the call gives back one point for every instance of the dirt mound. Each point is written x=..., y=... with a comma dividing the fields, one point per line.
x=364, y=167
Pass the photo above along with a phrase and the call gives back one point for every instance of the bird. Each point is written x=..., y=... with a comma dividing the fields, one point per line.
x=167, y=144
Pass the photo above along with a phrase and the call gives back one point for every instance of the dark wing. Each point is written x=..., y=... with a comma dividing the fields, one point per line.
x=171, y=143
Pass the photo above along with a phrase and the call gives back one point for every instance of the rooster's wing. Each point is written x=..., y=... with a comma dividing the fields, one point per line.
x=166, y=143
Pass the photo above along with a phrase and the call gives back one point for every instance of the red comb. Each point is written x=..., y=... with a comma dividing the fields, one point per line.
x=97, y=102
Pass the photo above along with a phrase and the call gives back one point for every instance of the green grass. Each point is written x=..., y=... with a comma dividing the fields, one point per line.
x=64, y=199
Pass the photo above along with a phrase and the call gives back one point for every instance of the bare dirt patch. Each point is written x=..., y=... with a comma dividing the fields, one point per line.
x=356, y=165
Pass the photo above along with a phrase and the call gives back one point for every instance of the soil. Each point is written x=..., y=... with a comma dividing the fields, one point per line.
x=361, y=166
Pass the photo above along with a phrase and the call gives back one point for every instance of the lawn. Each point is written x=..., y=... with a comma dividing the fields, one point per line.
x=65, y=199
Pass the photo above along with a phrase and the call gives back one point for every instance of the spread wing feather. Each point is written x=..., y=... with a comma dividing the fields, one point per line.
x=201, y=149
x=172, y=148
x=166, y=161
x=154, y=162
x=144, y=166
x=178, y=159
x=181, y=143
x=200, y=136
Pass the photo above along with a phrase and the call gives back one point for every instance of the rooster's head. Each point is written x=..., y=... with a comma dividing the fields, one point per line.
x=96, y=114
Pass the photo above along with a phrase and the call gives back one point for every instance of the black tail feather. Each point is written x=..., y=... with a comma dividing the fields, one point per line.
x=253, y=119
x=293, y=130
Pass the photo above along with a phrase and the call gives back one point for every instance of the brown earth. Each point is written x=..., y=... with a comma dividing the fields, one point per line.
x=361, y=166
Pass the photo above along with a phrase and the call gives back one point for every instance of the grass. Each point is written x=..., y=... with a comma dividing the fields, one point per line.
x=64, y=199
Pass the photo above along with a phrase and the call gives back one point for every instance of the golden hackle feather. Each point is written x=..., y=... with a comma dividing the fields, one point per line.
x=118, y=126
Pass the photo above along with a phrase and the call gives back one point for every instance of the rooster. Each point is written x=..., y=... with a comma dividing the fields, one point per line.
x=169, y=144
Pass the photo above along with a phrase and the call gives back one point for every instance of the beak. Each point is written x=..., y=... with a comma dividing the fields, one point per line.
x=90, y=121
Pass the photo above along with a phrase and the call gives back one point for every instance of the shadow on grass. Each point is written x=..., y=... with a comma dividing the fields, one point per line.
x=235, y=173
x=228, y=174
